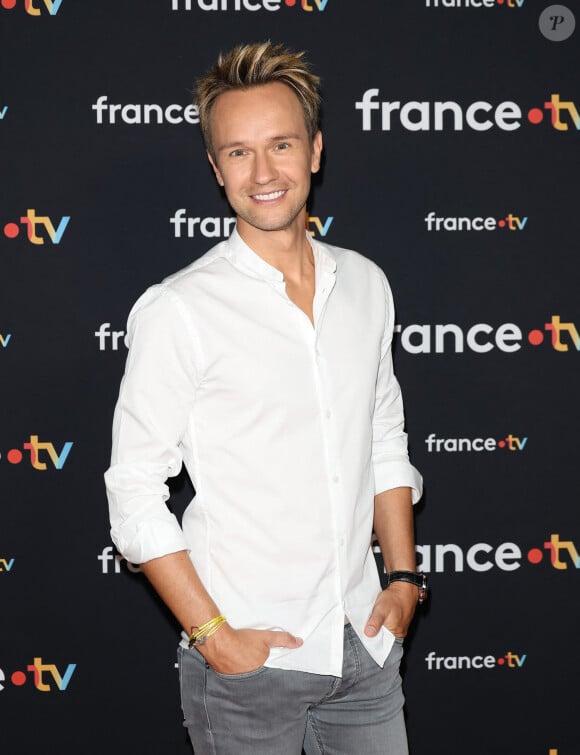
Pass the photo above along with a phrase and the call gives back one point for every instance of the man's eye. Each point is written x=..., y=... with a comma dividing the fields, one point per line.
x=237, y=153
x=282, y=145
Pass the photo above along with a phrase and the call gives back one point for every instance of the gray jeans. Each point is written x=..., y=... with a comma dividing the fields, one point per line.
x=278, y=712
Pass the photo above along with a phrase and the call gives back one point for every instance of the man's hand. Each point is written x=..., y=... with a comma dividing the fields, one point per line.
x=238, y=651
x=229, y=651
x=393, y=609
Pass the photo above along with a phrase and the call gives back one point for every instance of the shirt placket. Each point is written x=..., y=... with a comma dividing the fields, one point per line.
x=312, y=334
x=327, y=411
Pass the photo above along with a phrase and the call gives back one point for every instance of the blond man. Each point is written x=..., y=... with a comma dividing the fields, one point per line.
x=265, y=368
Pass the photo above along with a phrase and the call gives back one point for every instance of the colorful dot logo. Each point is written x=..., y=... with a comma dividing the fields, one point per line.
x=563, y=553
x=557, y=328
x=11, y=230
x=14, y=456
x=557, y=108
x=52, y=6
x=39, y=454
x=46, y=677
x=535, y=555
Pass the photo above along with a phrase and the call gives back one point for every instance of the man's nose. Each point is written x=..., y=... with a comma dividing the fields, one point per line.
x=264, y=168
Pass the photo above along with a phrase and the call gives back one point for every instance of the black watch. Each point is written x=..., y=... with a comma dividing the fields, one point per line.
x=415, y=578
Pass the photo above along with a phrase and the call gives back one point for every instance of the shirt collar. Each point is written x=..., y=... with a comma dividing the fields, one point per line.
x=324, y=258
x=244, y=257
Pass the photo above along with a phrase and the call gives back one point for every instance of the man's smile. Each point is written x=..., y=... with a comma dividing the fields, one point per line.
x=270, y=196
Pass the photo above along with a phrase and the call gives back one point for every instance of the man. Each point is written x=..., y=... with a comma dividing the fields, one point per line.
x=265, y=367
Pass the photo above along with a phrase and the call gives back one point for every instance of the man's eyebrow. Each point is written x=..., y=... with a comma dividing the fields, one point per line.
x=284, y=137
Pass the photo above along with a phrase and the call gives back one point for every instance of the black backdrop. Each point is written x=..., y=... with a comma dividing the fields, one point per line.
x=87, y=652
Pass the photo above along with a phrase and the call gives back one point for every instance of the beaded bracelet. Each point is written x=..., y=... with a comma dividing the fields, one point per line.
x=200, y=635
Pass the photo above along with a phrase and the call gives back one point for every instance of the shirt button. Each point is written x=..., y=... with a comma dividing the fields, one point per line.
x=336, y=478
x=328, y=414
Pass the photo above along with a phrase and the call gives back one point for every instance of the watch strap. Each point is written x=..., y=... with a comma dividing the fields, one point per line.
x=419, y=579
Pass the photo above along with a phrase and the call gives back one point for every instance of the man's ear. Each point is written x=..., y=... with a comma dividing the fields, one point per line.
x=316, y=152
x=218, y=175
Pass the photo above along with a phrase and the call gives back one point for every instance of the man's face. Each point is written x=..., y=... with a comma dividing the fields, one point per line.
x=263, y=156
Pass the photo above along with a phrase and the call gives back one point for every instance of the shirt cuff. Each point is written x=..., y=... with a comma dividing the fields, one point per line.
x=151, y=539
x=398, y=474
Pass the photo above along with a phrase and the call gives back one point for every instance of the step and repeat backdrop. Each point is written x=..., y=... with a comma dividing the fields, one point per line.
x=451, y=158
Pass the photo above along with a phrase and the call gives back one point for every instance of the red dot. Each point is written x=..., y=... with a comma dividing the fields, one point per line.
x=18, y=678
x=501, y=223
x=501, y=444
x=500, y=2
x=14, y=456
x=290, y=3
x=8, y=4
x=535, y=555
x=535, y=115
x=11, y=230
x=500, y=661
x=535, y=337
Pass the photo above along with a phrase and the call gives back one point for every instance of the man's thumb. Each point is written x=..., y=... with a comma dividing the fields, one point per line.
x=373, y=625
x=284, y=640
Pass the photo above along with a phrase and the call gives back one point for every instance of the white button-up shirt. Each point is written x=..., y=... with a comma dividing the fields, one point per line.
x=287, y=431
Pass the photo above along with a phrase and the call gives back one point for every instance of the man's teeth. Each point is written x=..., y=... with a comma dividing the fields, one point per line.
x=273, y=195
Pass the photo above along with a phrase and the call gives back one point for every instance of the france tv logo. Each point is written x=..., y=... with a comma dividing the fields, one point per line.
x=250, y=5
x=52, y=6
x=453, y=116
x=45, y=676
x=36, y=225
x=37, y=459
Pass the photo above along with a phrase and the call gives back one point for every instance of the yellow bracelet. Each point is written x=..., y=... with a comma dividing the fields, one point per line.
x=200, y=635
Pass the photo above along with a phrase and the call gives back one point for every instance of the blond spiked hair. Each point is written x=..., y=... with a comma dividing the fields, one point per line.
x=254, y=65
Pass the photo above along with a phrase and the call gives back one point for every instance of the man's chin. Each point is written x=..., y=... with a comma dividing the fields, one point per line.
x=270, y=225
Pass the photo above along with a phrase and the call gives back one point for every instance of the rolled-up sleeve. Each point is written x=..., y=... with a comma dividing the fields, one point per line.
x=391, y=465
x=151, y=416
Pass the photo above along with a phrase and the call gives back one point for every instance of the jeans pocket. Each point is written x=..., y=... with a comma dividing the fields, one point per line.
x=246, y=675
